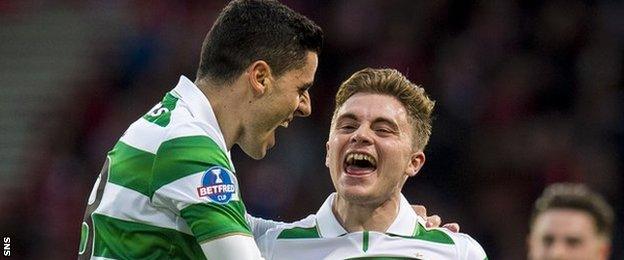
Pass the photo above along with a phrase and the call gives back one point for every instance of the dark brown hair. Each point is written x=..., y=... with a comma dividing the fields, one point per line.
x=251, y=30
x=576, y=197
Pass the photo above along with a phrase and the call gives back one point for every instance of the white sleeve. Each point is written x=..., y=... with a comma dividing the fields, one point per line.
x=266, y=242
x=470, y=249
x=231, y=247
x=259, y=226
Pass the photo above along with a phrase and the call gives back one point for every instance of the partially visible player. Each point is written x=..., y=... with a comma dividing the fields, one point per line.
x=168, y=189
x=570, y=222
x=380, y=127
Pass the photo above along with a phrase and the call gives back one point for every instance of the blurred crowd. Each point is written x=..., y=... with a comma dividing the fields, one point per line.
x=528, y=93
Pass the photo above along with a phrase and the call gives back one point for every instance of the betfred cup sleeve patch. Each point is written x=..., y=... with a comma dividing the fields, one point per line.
x=218, y=185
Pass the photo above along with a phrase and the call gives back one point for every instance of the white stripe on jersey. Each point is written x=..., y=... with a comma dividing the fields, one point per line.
x=147, y=139
x=127, y=204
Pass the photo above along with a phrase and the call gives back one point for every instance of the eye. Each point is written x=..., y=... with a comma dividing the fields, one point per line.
x=548, y=240
x=573, y=241
x=347, y=128
x=304, y=89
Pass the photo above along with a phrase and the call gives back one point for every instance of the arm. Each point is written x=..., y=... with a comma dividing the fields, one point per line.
x=259, y=226
x=192, y=177
x=231, y=247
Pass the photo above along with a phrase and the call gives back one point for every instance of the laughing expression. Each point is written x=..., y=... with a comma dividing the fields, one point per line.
x=369, y=152
x=287, y=98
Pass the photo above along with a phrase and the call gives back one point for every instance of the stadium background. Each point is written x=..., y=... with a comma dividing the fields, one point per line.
x=528, y=93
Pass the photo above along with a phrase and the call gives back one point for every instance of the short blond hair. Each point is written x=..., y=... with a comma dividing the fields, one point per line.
x=392, y=83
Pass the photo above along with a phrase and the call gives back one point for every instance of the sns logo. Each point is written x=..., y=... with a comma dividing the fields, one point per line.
x=218, y=185
x=157, y=110
x=7, y=246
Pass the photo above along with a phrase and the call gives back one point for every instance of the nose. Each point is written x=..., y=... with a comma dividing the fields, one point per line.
x=557, y=250
x=361, y=135
x=304, y=108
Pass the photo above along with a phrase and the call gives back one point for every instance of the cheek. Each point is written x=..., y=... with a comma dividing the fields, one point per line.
x=291, y=101
x=394, y=154
x=333, y=153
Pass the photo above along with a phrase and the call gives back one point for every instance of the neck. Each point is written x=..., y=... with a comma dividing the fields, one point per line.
x=225, y=103
x=357, y=217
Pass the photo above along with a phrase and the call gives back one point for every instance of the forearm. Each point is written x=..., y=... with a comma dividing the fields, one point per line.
x=232, y=247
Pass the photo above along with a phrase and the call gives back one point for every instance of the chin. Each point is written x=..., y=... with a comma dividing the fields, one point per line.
x=358, y=195
x=255, y=153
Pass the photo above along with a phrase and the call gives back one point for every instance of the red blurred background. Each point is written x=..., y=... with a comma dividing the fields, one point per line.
x=528, y=93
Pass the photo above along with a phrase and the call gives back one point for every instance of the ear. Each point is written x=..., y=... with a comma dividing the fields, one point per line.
x=259, y=74
x=417, y=160
x=327, y=154
x=605, y=249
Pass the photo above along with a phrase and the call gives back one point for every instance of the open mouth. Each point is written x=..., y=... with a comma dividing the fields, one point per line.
x=359, y=164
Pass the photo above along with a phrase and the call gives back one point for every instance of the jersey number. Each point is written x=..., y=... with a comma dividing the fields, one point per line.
x=86, y=235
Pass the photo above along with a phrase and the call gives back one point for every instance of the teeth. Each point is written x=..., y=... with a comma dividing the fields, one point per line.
x=284, y=124
x=359, y=156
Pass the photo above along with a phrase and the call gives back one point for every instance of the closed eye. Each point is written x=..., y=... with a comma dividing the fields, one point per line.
x=347, y=127
x=384, y=130
x=304, y=88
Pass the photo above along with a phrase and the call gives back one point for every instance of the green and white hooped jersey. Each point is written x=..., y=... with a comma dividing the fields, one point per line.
x=166, y=186
x=321, y=236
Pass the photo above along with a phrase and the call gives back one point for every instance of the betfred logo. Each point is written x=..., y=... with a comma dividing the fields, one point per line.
x=217, y=185
x=215, y=189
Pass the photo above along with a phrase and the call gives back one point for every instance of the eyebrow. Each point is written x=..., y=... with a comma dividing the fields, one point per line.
x=377, y=120
x=347, y=116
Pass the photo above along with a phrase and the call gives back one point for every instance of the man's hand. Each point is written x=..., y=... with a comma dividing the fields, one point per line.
x=434, y=221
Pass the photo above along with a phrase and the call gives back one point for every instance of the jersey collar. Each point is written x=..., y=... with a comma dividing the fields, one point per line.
x=200, y=107
x=406, y=221
x=327, y=223
x=404, y=224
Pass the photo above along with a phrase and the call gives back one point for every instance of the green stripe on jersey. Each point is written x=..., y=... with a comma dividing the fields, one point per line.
x=183, y=156
x=432, y=235
x=161, y=113
x=120, y=239
x=365, y=241
x=211, y=220
x=298, y=232
x=131, y=168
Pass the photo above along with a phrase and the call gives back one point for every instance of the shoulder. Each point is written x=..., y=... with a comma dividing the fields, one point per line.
x=193, y=140
x=186, y=153
x=467, y=247
x=300, y=229
x=154, y=127
x=304, y=228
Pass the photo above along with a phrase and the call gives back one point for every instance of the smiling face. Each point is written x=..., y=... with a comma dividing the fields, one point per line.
x=370, y=151
x=566, y=234
x=283, y=98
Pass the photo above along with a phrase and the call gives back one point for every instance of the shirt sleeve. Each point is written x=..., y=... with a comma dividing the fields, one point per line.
x=193, y=178
x=259, y=226
x=470, y=249
x=232, y=247
x=266, y=242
